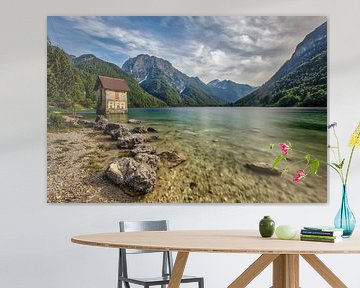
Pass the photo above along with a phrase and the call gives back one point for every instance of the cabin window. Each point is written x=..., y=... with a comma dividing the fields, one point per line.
x=122, y=105
x=117, y=95
x=110, y=104
x=117, y=105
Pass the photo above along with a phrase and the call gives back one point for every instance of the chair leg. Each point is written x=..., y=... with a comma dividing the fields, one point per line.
x=201, y=283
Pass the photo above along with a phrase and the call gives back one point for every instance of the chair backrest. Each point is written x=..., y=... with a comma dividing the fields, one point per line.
x=134, y=226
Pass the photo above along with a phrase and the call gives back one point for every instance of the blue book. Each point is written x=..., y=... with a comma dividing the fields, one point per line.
x=322, y=231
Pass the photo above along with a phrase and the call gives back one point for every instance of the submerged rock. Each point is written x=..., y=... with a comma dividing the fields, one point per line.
x=142, y=148
x=152, y=130
x=137, y=176
x=172, y=158
x=263, y=168
x=134, y=121
x=139, y=130
x=152, y=138
x=254, y=130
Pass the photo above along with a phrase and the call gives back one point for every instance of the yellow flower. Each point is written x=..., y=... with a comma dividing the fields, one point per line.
x=355, y=138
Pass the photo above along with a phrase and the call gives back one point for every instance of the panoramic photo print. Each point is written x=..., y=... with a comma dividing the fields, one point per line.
x=200, y=109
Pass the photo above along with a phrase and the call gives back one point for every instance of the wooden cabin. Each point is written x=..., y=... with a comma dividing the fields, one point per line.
x=112, y=95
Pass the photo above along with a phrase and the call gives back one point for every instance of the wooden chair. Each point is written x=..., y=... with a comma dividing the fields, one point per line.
x=167, y=262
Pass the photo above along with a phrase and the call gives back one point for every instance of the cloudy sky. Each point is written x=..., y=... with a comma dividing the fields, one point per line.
x=244, y=49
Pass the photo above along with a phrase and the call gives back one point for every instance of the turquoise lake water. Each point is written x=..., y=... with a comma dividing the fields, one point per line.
x=219, y=141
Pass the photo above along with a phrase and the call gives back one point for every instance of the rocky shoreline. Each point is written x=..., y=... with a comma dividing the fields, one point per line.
x=129, y=163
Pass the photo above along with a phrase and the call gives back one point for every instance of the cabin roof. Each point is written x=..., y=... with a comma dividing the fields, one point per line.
x=115, y=84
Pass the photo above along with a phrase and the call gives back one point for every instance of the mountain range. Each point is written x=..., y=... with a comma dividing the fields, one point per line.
x=161, y=79
x=155, y=82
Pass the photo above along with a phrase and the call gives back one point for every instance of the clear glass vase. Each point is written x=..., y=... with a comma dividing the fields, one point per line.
x=345, y=219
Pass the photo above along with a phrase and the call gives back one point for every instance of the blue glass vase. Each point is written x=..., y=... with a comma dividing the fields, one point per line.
x=345, y=219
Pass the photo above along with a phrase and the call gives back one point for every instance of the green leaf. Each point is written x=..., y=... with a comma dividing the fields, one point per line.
x=277, y=160
x=336, y=165
x=307, y=157
x=314, y=166
x=342, y=163
x=271, y=146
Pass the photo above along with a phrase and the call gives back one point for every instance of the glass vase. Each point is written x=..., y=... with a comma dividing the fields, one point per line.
x=345, y=219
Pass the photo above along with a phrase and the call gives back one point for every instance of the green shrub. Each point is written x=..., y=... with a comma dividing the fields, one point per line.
x=55, y=120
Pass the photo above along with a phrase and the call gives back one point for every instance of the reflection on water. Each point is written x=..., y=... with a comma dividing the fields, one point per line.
x=220, y=140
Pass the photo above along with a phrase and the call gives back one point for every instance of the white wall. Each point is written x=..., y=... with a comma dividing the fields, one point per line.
x=35, y=248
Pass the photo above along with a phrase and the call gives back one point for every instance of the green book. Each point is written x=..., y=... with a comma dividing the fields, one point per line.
x=325, y=240
x=319, y=236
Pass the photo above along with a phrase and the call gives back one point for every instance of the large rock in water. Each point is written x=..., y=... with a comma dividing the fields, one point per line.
x=101, y=124
x=138, y=177
x=121, y=132
x=150, y=159
x=263, y=168
x=110, y=127
x=130, y=142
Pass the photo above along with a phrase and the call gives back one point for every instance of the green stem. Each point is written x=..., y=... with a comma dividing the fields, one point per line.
x=333, y=152
x=348, y=167
x=339, y=160
x=337, y=142
x=339, y=171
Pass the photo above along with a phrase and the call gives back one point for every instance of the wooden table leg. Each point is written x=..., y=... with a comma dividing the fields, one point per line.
x=286, y=271
x=324, y=271
x=178, y=270
x=253, y=270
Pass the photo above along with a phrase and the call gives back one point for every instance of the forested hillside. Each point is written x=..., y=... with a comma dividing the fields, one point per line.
x=67, y=87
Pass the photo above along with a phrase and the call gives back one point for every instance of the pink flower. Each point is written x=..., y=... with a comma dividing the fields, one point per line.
x=284, y=148
x=300, y=174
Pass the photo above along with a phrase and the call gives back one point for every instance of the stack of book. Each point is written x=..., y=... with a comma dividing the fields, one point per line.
x=321, y=234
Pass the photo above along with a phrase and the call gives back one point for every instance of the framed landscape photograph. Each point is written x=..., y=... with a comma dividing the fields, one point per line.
x=170, y=109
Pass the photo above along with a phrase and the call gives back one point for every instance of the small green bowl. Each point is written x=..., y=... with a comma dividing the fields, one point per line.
x=285, y=232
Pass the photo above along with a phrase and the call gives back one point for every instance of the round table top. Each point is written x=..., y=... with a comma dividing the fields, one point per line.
x=217, y=241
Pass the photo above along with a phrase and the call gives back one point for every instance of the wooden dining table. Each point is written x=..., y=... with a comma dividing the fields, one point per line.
x=283, y=254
